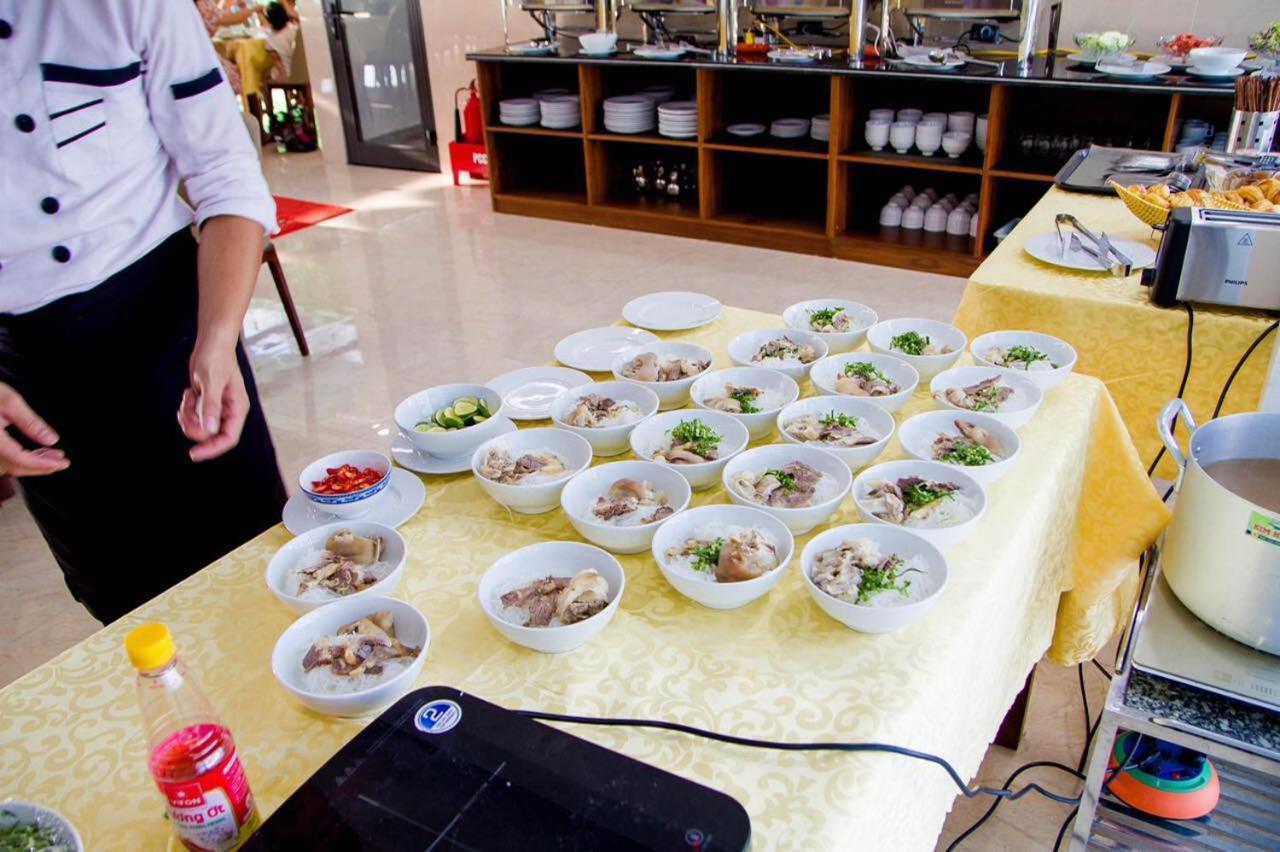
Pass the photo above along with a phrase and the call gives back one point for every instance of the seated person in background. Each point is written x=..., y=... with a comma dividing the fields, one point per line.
x=282, y=20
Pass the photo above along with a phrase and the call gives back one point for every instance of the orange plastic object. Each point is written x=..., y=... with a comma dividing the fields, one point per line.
x=1190, y=797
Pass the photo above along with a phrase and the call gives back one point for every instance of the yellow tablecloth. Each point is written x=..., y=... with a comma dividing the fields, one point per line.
x=1135, y=347
x=252, y=58
x=1076, y=506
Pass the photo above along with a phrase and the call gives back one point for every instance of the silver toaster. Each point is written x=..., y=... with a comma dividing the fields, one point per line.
x=1218, y=257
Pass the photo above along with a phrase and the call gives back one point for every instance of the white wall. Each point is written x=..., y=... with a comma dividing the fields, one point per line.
x=454, y=27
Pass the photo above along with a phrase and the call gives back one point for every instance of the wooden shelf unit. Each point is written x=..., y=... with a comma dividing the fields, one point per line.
x=798, y=195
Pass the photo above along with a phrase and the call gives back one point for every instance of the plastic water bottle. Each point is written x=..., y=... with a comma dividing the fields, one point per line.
x=190, y=752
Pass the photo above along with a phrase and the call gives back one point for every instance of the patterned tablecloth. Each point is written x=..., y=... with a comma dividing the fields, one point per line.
x=1076, y=505
x=1135, y=347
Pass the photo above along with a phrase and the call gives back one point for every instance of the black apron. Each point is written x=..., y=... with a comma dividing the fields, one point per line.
x=133, y=515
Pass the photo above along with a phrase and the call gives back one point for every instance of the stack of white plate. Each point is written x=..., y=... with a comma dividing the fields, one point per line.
x=630, y=114
x=658, y=94
x=678, y=119
x=520, y=111
x=820, y=128
x=789, y=128
x=745, y=129
x=543, y=94
x=561, y=112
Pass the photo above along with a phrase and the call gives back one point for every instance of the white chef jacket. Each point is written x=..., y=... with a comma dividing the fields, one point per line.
x=105, y=105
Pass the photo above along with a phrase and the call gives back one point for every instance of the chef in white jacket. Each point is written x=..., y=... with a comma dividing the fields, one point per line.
x=128, y=409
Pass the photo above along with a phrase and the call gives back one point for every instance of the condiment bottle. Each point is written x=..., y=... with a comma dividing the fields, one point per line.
x=191, y=753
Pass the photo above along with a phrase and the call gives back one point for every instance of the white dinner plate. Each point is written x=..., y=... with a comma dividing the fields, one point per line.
x=746, y=129
x=1136, y=70
x=529, y=393
x=401, y=500
x=528, y=48
x=595, y=349
x=922, y=60
x=659, y=52
x=1081, y=59
x=793, y=56
x=1215, y=75
x=672, y=311
x=1044, y=247
x=409, y=457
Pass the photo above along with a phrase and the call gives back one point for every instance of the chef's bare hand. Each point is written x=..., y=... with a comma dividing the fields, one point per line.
x=214, y=407
x=41, y=461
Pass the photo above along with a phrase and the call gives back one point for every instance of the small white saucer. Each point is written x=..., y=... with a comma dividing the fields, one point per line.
x=1216, y=75
x=400, y=501
x=597, y=54
x=408, y=456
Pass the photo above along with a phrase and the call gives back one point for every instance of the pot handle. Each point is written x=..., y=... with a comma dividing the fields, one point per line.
x=1165, y=424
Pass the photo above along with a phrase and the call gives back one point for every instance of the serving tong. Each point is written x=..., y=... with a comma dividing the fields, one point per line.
x=1098, y=247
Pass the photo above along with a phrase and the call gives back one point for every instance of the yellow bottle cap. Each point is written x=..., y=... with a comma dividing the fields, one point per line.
x=149, y=646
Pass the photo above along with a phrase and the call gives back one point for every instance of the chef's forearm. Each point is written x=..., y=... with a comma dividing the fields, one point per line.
x=230, y=256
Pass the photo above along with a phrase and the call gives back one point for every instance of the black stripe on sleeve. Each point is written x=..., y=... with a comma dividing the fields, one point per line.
x=70, y=110
x=54, y=73
x=199, y=85
x=82, y=134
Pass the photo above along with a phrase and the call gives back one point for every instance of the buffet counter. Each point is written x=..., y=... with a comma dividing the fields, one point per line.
x=1072, y=516
x=1137, y=348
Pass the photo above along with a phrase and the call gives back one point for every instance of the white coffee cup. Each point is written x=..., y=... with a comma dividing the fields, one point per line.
x=961, y=121
x=881, y=115
x=980, y=132
x=910, y=114
x=928, y=138
x=935, y=219
x=891, y=215
x=877, y=134
x=913, y=218
x=901, y=135
x=955, y=143
x=598, y=42
x=958, y=222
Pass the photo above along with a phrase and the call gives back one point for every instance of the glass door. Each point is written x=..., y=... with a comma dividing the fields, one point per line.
x=380, y=63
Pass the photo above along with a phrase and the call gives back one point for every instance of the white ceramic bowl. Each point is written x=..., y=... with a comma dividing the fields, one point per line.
x=582, y=491
x=670, y=394
x=880, y=338
x=759, y=424
x=897, y=371
x=868, y=414
x=905, y=543
x=773, y=456
x=917, y=434
x=539, y=497
x=651, y=435
x=550, y=558
x=743, y=347
x=29, y=813
x=1016, y=412
x=609, y=440
x=394, y=551
x=1059, y=351
x=424, y=404
x=892, y=471
x=1220, y=59
x=860, y=316
x=708, y=592
x=355, y=503
x=598, y=42
x=286, y=658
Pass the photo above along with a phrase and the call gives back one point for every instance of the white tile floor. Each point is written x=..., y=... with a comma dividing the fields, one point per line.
x=423, y=284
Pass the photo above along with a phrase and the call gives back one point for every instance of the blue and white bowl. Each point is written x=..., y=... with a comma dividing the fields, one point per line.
x=355, y=503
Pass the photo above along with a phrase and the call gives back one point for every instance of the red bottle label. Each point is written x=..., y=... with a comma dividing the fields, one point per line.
x=212, y=813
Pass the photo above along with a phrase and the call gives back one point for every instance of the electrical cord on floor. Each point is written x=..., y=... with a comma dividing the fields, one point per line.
x=1222, y=397
x=1000, y=793
x=1100, y=667
x=1088, y=717
x=996, y=804
x=1182, y=385
x=1062, y=831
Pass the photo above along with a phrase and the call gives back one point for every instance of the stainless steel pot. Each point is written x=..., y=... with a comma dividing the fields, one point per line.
x=1222, y=552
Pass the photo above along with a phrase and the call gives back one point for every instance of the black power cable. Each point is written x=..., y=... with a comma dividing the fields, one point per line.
x=1063, y=829
x=996, y=804
x=1222, y=397
x=1182, y=385
x=1000, y=793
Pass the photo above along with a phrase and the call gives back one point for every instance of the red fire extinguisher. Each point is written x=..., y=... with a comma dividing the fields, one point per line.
x=467, y=120
x=467, y=153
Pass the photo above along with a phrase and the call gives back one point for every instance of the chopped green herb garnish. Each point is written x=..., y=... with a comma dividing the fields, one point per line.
x=883, y=578
x=1025, y=354
x=920, y=494
x=20, y=836
x=706, y=558
x=787, y=480
x=833, y=418
x=701, y=437
x=823, y=317
x=865, y=370
x=745, y=398
x=970, y=455
x=909, y=342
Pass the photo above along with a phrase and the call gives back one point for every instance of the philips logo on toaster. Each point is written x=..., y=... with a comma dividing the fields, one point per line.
x=438, y=717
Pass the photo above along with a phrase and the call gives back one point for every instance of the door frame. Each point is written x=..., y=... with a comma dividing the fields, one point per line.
x=360, y=152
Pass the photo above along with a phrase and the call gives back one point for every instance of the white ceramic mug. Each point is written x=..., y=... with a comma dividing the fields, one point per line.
x=911, y=114
x=961, y=121
x=891, y=215
x=913, y=218
x=935, y=219
x=901, y=135
x=877, y=134
x=881, y=115
x=955, y=143
x=928, y=138
x=958, y=222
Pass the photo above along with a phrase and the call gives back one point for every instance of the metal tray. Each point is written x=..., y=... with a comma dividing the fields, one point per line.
x=1089, y=169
